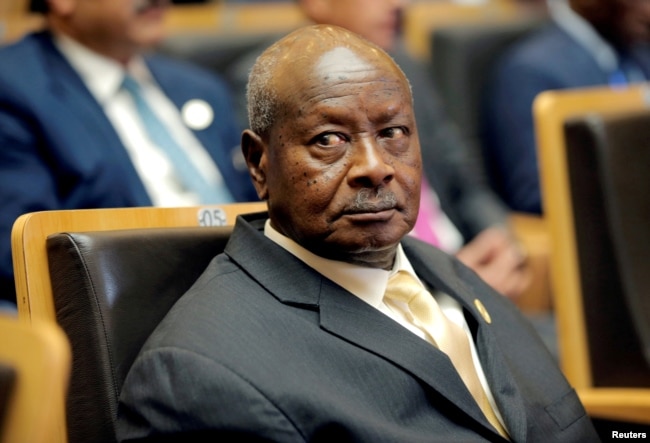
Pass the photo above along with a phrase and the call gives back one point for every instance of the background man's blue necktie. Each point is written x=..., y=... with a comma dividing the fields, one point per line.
x=189, y=176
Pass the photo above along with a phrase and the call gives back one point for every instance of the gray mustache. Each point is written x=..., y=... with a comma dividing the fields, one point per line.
x=373, y=200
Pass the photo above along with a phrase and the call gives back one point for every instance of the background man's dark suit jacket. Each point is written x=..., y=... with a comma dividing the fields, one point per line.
x=266, y=346
x=58, y=149
x=549, y=59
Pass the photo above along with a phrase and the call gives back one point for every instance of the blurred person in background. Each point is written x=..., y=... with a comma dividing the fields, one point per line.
x=87, y=120
x=588, y=43
x=459, y=212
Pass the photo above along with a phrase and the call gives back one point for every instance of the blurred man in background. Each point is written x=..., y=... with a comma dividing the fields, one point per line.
x=588, y=43
x=88, y=121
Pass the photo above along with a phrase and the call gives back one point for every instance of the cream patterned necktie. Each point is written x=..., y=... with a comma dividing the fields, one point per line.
x=425, y=313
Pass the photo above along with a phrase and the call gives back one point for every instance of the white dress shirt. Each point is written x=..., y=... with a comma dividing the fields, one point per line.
x=103, y=77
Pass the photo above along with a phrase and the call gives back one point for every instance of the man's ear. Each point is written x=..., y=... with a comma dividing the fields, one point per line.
x=254, y=150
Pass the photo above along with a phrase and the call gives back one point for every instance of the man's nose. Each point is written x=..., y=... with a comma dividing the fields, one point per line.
x=371, y=165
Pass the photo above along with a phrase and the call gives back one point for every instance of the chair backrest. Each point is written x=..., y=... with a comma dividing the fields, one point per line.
x=34, y=291
x=552, y=110
x=35, y=363
x=623, y=144
x=608, y=158
x=108, y=276
x=228, y=18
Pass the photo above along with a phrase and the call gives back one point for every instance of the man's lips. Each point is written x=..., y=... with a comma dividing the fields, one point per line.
x=369, y=208
x=371, y=216
x=371, y=204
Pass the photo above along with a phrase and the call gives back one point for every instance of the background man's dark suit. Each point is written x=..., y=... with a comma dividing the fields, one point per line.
x=548, y=59
x=58, y=149
x=271, y=348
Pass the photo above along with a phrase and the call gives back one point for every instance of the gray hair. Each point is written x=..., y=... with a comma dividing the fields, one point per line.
x=261, y=95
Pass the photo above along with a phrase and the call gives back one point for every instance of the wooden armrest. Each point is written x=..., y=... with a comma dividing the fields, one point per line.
x=623, y=404
x=532, y=233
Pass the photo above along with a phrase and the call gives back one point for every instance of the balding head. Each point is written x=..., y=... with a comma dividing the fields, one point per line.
x=313, y=53
x=334, y=147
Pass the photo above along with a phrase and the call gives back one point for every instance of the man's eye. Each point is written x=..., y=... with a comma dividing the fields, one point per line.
x=395, y=132
x=329, y=139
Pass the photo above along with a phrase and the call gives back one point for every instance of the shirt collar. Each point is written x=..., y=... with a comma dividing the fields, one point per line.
x=369, y=284
x=102, y=75
x=578, y=28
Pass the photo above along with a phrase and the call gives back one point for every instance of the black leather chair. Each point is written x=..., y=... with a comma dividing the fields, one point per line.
x=608, y=160
x=111, y=289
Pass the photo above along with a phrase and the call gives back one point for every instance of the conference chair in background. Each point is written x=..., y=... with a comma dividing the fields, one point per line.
x=462, y=56
x=462, y=51
x=422, y=18
x=108, y=276
x=34, y=374
x=594, y=154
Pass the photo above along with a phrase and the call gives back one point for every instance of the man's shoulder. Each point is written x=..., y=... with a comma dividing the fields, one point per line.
x=22, y=46
x=23, y=59
x=548, y=43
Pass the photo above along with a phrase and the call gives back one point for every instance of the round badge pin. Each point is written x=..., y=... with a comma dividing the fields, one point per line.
x=197, y=114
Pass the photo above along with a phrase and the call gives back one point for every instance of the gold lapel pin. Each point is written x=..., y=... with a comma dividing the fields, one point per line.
x=481, y=309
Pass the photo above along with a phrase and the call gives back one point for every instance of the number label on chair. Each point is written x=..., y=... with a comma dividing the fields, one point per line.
x=212, y=217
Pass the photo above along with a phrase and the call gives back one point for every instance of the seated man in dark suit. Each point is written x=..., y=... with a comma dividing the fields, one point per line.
x=323, y=320
x=73, y=135
x=589, y=43
x=459, y=212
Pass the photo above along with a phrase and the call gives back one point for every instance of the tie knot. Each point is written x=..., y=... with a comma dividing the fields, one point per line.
x=403, y=287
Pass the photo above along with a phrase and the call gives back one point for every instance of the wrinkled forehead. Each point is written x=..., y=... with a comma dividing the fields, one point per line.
x=339, y=65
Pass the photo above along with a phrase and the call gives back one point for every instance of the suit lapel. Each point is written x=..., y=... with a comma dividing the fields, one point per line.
x=71, y=97
x=505, y=390
x=450, y=279
x=351, y=319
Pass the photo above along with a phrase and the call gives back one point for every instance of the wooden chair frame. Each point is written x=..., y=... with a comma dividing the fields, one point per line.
x=40, y=355
x=551, y=109
x=30, y=231
x=34, y=293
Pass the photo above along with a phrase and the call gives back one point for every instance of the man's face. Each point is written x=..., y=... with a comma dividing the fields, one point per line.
x=376, y=20
x=115, y=28
x=342, y=167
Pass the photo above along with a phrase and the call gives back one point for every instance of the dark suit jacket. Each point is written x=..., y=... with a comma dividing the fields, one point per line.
x=263, y=345
x=549, y=59
x=58, y=149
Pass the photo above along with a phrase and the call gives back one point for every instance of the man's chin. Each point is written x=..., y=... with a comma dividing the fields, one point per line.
x=364, y=247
